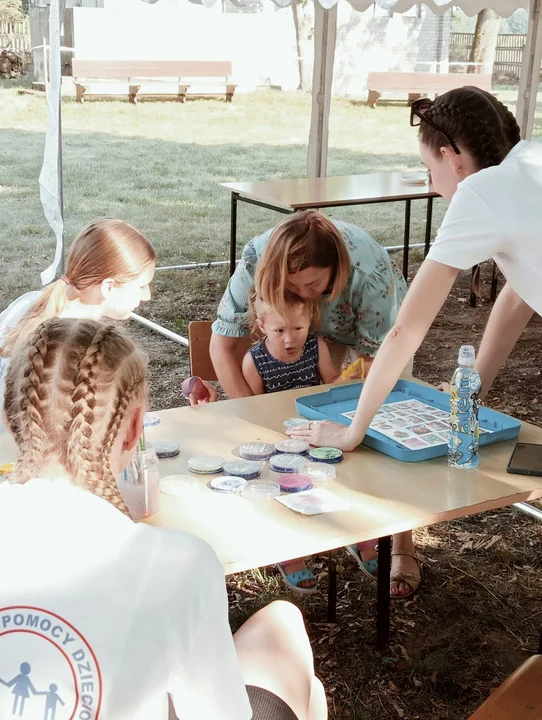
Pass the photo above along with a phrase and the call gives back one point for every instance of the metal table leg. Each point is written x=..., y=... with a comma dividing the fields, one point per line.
x=494, y=281
x=233, y=232
x=332, y=587
x=428, y=223
x=383, y=593
x=406, y=240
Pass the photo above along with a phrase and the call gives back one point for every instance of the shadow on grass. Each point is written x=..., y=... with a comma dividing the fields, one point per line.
x=170, y=191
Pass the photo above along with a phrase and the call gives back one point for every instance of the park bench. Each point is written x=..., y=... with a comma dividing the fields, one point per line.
x=185, y=73
x=416, y=84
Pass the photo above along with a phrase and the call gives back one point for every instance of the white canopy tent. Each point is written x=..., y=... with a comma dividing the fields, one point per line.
x=324, y=52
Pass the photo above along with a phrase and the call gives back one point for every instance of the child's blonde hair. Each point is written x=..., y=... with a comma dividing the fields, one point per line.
x=104, y=249
x=305, y=239
x=68, y=389
x=258, y=309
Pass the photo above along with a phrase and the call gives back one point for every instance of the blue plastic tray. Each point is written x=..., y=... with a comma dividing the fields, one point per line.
x=330, y=404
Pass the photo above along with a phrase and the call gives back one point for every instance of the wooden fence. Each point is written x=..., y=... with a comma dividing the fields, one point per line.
x=508, y=54
x=16, y=36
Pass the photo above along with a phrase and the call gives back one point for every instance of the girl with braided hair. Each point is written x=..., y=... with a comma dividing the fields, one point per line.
x=117, y=615
x=470, y=143
x=109, y=269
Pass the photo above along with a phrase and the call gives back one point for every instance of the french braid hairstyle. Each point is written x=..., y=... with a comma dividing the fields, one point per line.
x=68, y=389
x=476, y=121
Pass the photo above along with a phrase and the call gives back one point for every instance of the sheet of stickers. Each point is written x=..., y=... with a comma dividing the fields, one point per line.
x=412, y=423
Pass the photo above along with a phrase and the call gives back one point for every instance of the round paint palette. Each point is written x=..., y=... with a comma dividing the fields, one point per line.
x=294, y=483
x=260, y=490
x=293, y=446
x=178, y=484
x=243, y=468
x=295, y=423
x=287, y=463
x=318, y=472
x=256, y=451
x=206, y=464
x=227, y=484
x=166, y=448
x=326, y=455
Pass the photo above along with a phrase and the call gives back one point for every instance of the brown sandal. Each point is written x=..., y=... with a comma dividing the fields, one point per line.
x=411, y=580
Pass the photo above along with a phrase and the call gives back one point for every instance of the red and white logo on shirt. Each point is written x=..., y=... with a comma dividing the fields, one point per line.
x=48, y=671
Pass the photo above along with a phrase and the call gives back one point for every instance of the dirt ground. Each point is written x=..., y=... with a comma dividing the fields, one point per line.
x=479, y=611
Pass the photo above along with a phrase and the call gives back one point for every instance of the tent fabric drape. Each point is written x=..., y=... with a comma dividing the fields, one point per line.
x=50, y=180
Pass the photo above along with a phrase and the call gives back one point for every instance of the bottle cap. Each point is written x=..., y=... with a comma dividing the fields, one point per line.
x=150, y=419
x=295, y=422
x=293, y=446
x=243, y=468
x=467, y=356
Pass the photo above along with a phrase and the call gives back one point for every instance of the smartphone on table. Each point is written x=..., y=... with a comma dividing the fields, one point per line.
x=526, y=460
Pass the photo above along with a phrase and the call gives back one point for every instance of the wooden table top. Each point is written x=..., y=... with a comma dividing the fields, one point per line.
x=385, y=495
x=330, y=191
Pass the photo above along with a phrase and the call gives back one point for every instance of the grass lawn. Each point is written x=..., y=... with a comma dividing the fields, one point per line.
x=157, y=165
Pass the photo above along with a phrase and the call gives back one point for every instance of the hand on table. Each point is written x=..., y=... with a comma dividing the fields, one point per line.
x=444, y=387
x=213, y=395
x=323, y=433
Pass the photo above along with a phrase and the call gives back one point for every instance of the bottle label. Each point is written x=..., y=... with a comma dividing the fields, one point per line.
x=464, y=436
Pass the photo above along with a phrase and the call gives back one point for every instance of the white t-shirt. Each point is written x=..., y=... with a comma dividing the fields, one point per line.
x=497, y=213
x=101, y=618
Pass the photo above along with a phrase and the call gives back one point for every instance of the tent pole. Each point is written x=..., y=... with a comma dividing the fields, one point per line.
x=325, y=32
x=61, y=266
x=530, y=71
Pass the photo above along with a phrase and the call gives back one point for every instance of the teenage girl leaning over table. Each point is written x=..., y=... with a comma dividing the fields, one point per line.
x=470, y=143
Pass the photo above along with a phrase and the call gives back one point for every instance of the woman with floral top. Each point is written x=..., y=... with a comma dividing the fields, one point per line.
x=360, y=291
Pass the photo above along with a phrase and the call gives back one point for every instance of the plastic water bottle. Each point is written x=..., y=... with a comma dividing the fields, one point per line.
x=464, y=430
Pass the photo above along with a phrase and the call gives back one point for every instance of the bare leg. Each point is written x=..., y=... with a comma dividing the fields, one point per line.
x=275, y=654
x=403, y=543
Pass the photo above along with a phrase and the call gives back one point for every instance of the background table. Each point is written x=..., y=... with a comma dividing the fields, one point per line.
x=287, y=196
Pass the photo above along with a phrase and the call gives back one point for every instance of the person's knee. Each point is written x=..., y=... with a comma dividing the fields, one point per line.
x=286, y=612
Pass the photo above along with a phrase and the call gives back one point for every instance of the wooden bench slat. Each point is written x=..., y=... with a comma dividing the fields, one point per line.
x=421, y=83
x=518, y=698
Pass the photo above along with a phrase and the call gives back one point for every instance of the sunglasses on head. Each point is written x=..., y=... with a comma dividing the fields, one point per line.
x=418, y=111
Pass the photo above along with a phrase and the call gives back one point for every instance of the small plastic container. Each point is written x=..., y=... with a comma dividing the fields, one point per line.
x=326, y=455
x=318, y=472
x=227, y=484
x=261, y=489
x=166, y=448
x=295, y=423
x=150, y=420
x=294, y=483
x=178, y=484
x=257, y=451
x=206, y=464
x=292, y=446
x=139, y=484
x=287, y=463
x=245, y=469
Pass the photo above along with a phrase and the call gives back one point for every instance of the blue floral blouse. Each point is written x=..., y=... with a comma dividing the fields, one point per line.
x=359, y=318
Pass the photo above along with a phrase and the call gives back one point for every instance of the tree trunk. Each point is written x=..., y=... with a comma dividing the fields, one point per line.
x=485, y=42
x=303, y=39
